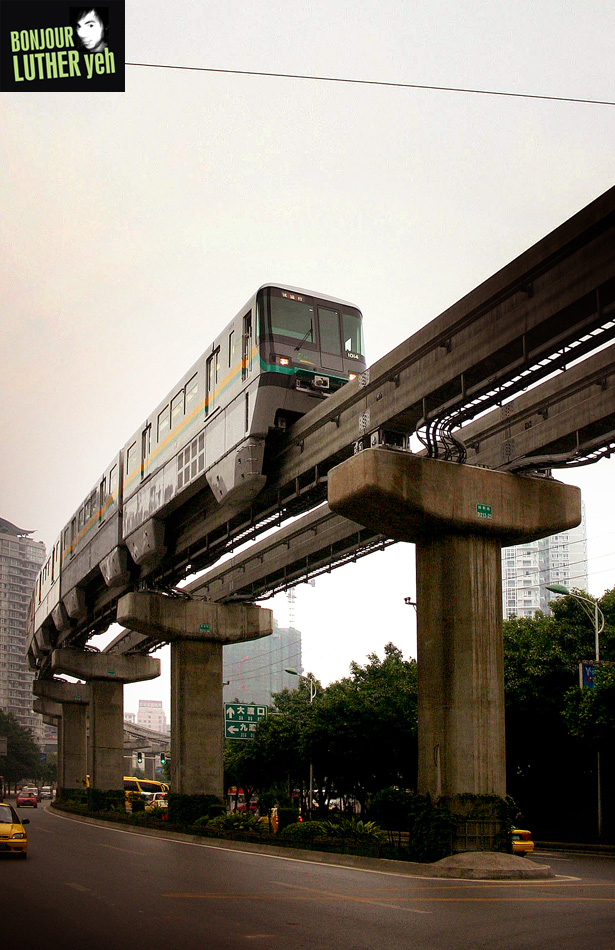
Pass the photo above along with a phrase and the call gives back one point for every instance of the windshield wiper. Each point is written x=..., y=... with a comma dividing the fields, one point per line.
x=305, y=336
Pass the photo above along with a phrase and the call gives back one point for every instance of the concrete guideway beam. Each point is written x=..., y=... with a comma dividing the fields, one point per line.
x=62, y=692
x=178, y=618
x=47, y=707
x=197, y=630
x=100, y=666
x=410, y=497
x=458, y=517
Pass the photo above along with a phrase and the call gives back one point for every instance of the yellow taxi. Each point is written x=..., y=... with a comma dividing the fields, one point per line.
x=13, y=838
x=522, y=841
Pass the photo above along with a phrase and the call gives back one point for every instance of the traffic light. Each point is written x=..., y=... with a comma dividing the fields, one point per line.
x=139, y=758
x=163, y=758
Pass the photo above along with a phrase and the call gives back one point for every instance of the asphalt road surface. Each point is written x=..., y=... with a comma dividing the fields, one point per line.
x=95, y=887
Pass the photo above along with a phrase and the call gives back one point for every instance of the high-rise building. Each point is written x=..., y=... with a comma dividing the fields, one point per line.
x=255, y=669
x=152, y=715
x=528, y=568
x=21, y=558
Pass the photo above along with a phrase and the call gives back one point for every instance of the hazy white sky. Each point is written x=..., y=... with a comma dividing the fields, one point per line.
x=135, y=225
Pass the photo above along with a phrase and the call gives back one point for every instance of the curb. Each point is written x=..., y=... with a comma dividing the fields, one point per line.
x=466, y=871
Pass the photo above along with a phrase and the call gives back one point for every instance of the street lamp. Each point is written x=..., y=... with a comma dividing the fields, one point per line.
x=597, y=618
x=312, y=681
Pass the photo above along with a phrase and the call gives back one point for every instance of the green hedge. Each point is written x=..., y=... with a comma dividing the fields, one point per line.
x=185, y=810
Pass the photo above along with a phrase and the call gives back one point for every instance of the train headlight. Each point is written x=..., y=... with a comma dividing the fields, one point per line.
x=284, y=361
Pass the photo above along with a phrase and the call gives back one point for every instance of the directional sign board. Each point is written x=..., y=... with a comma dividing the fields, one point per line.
x=241, y=720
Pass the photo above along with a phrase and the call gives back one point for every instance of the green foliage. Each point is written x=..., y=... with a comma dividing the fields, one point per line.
x=431, y=829
x=549, y=724
x=72, y=796
x=234, y=823
x=304, y=832
x=590, y=713
x=185, y=810
x=112, y=800
x=23, y=755
x=353, y=828
x=286, y=817
x=391, y=807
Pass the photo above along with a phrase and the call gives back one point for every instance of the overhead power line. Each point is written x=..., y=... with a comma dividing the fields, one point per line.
x=377, y=82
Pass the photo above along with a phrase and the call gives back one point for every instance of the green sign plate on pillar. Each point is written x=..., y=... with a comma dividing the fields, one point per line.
x=241, y=719
x=484, y=511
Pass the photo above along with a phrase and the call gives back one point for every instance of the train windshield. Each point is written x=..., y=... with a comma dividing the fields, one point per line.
x=352, y=328
x=293, y=316
x=315, y=325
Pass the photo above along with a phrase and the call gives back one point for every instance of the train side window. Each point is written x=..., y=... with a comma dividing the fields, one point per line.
x=246, y=345
x=163, y=423
x=146, y=447
x=353, y=335
x=231, y=348
x=177, y=408
x=192, y=391
x=131, y=458
x=113, y=480
x=103, y=498
x=213, y=373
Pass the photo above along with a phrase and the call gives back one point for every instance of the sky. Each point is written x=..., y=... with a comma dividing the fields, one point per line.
x=135, y=225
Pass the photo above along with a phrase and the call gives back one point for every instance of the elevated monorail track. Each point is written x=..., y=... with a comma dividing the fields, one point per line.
x=546, y=311
x=551, y=307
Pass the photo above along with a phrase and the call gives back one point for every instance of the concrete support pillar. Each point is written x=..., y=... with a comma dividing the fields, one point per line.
x=72, y=699
x=460, y=666
x=106, y=738
x=106, y=677
x=196, y=630
x=72, y=747
x=197, y=717
x=458, y=516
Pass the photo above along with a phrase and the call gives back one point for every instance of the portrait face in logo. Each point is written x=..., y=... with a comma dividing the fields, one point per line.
x=90, y=25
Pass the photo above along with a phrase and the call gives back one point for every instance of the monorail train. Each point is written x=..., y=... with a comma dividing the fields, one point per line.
x=283, y=351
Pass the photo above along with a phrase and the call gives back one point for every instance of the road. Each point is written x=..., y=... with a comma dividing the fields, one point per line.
x=96, y=887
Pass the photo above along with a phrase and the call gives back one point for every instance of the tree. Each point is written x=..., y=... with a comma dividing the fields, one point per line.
x=547, y=763
x=363, y=736
x=23, y=756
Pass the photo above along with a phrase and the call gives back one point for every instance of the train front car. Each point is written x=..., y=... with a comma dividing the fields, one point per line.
x=310, y=346
x=285, y=350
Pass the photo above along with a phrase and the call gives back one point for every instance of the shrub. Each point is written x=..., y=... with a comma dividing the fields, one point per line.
x=286, y=817
x=351, y=828
x=306, y=831
x=186, y=809
x=234, y=823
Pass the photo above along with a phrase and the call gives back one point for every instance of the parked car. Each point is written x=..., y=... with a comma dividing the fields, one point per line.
x=26, y=798
x=13, y=838
x=45, y=792
x=522, y=841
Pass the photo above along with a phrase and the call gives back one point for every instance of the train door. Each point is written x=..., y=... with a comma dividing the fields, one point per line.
x=330, y=339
